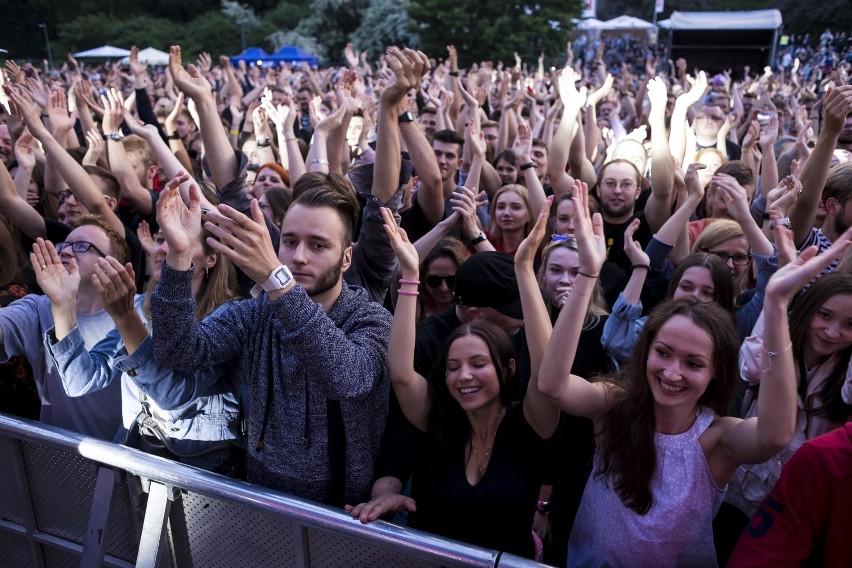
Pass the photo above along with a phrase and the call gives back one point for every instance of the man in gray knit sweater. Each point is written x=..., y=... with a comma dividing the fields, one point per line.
x=313, y=348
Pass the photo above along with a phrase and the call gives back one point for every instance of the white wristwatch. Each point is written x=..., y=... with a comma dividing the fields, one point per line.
x=279, y=279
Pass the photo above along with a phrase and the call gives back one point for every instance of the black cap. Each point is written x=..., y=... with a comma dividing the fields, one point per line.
x=487, y=280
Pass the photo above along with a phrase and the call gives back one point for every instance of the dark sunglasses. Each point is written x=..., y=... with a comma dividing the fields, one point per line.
x=79, y=247
x=434, y=281
x=64, y=195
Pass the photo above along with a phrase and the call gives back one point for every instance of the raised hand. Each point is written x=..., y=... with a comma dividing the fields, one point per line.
x=632, y=249
x=58, y=277
x=465, y=203
x=658, y=94
x=24, y=151
x=204, y=62
x=767, y=137
x=188, y=80
x=476, y=139
x=23, y=107
x=733, y=195
x=332, y=121
x=588, y=230
x=113, y=111
x=57, y=110
x=180, y=225
x=244, y=240
x=116, y=285
x=94, y=147
x=137, y=68
x=598, y=95
x=791, y=278
x=694, y=187
x=523, y=143
x=696, y=92
x=836, y=105
x=780, y=198
x=146, y=239
x=571, y=97
x=409, y=263
x=525, y=255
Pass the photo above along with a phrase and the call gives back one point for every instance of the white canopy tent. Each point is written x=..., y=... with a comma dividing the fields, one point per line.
x=151, y=55
x=596, y=27
x=106, y=52
x=747, y=20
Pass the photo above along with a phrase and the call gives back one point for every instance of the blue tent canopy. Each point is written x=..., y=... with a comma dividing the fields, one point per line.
x=291, y=53
x=251, y=55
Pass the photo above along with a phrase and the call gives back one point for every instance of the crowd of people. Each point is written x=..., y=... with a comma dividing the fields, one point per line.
x=598, y=315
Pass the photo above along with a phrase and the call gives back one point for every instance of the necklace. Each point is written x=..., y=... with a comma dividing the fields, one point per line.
x=483, y=461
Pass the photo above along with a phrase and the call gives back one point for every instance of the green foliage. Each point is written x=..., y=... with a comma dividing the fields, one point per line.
x=332, y=22
x=145, y=31
x=86, y=32
x=286, y=15
x=493, y=30
x=385, y=22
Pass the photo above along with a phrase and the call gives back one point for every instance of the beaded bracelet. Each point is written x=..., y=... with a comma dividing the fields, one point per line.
x=404, y=281
x=408, y=292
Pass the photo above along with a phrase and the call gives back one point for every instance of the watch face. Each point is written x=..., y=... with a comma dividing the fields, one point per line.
x=281, y=277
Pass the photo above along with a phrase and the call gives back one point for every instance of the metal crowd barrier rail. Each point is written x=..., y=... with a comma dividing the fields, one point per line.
x=69, y=500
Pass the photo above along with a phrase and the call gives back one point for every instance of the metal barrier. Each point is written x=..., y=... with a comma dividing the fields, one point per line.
x=68, y=500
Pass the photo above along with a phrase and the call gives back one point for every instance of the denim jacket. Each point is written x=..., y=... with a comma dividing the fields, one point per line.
x=210, y=413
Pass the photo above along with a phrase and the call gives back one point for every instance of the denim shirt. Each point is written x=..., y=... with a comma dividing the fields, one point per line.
x=208, y=413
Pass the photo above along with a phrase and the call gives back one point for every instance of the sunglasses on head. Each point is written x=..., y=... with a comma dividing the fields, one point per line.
x=434, y=281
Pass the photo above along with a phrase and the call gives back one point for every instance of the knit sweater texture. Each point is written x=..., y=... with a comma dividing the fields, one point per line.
x=295, y=357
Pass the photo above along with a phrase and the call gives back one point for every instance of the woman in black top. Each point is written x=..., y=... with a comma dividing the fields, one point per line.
x=480, y=470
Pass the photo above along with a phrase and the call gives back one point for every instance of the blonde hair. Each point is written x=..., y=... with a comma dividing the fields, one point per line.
x=714, y=234
x=137, y=145
x=496, y=232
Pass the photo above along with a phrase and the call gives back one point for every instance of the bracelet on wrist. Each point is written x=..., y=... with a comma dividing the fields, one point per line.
x=173, y=136
x=454, y=73
x=408, y=281
x=319, y=161
x=408, y=292
x=527, y=166
x=588, y=275
x=234, y=132
x=645, y=266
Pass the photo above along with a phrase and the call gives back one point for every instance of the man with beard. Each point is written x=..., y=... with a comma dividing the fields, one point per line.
x=832, y=186
x=314, y=348
x=618, y=187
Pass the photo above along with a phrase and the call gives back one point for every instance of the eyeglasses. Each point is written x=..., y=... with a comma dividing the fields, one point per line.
x=624, y=185
x=64, y=195
x=79, y=247
x=707, y=117
x=736, y=259
x=434, y=281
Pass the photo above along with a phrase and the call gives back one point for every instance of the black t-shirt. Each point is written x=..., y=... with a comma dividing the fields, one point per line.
x=614, y=234
x=495, y=513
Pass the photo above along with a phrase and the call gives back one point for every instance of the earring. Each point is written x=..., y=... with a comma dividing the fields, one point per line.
x=206, y=272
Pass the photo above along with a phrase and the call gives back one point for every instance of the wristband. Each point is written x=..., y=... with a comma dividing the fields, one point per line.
x=588, y=275
x=173, y=136
x=454, y=73
x=527, y=166
x=481, y=238
x=319, y=161
x=645, y=266
x=405, y=281
x=234, y=132
x=408, y=292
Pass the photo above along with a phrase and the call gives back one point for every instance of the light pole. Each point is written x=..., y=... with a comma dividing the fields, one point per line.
x=242, y=24
x=43, y=26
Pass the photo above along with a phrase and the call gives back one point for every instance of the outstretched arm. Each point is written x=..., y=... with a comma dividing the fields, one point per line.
x=220, y=155
x=659, y=205
x=571, y=393
x=572, y=101
x=539, y=409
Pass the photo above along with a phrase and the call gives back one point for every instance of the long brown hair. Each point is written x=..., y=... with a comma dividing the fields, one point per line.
x=219, y=284
x=626, y=442
x=12, y=259
x=831, y=405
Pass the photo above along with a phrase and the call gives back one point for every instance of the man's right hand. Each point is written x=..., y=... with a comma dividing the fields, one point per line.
x=836, y=106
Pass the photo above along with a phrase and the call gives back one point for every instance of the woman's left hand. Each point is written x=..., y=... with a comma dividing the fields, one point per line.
x=589, y=232
x=409, y=263
x=525, y=255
